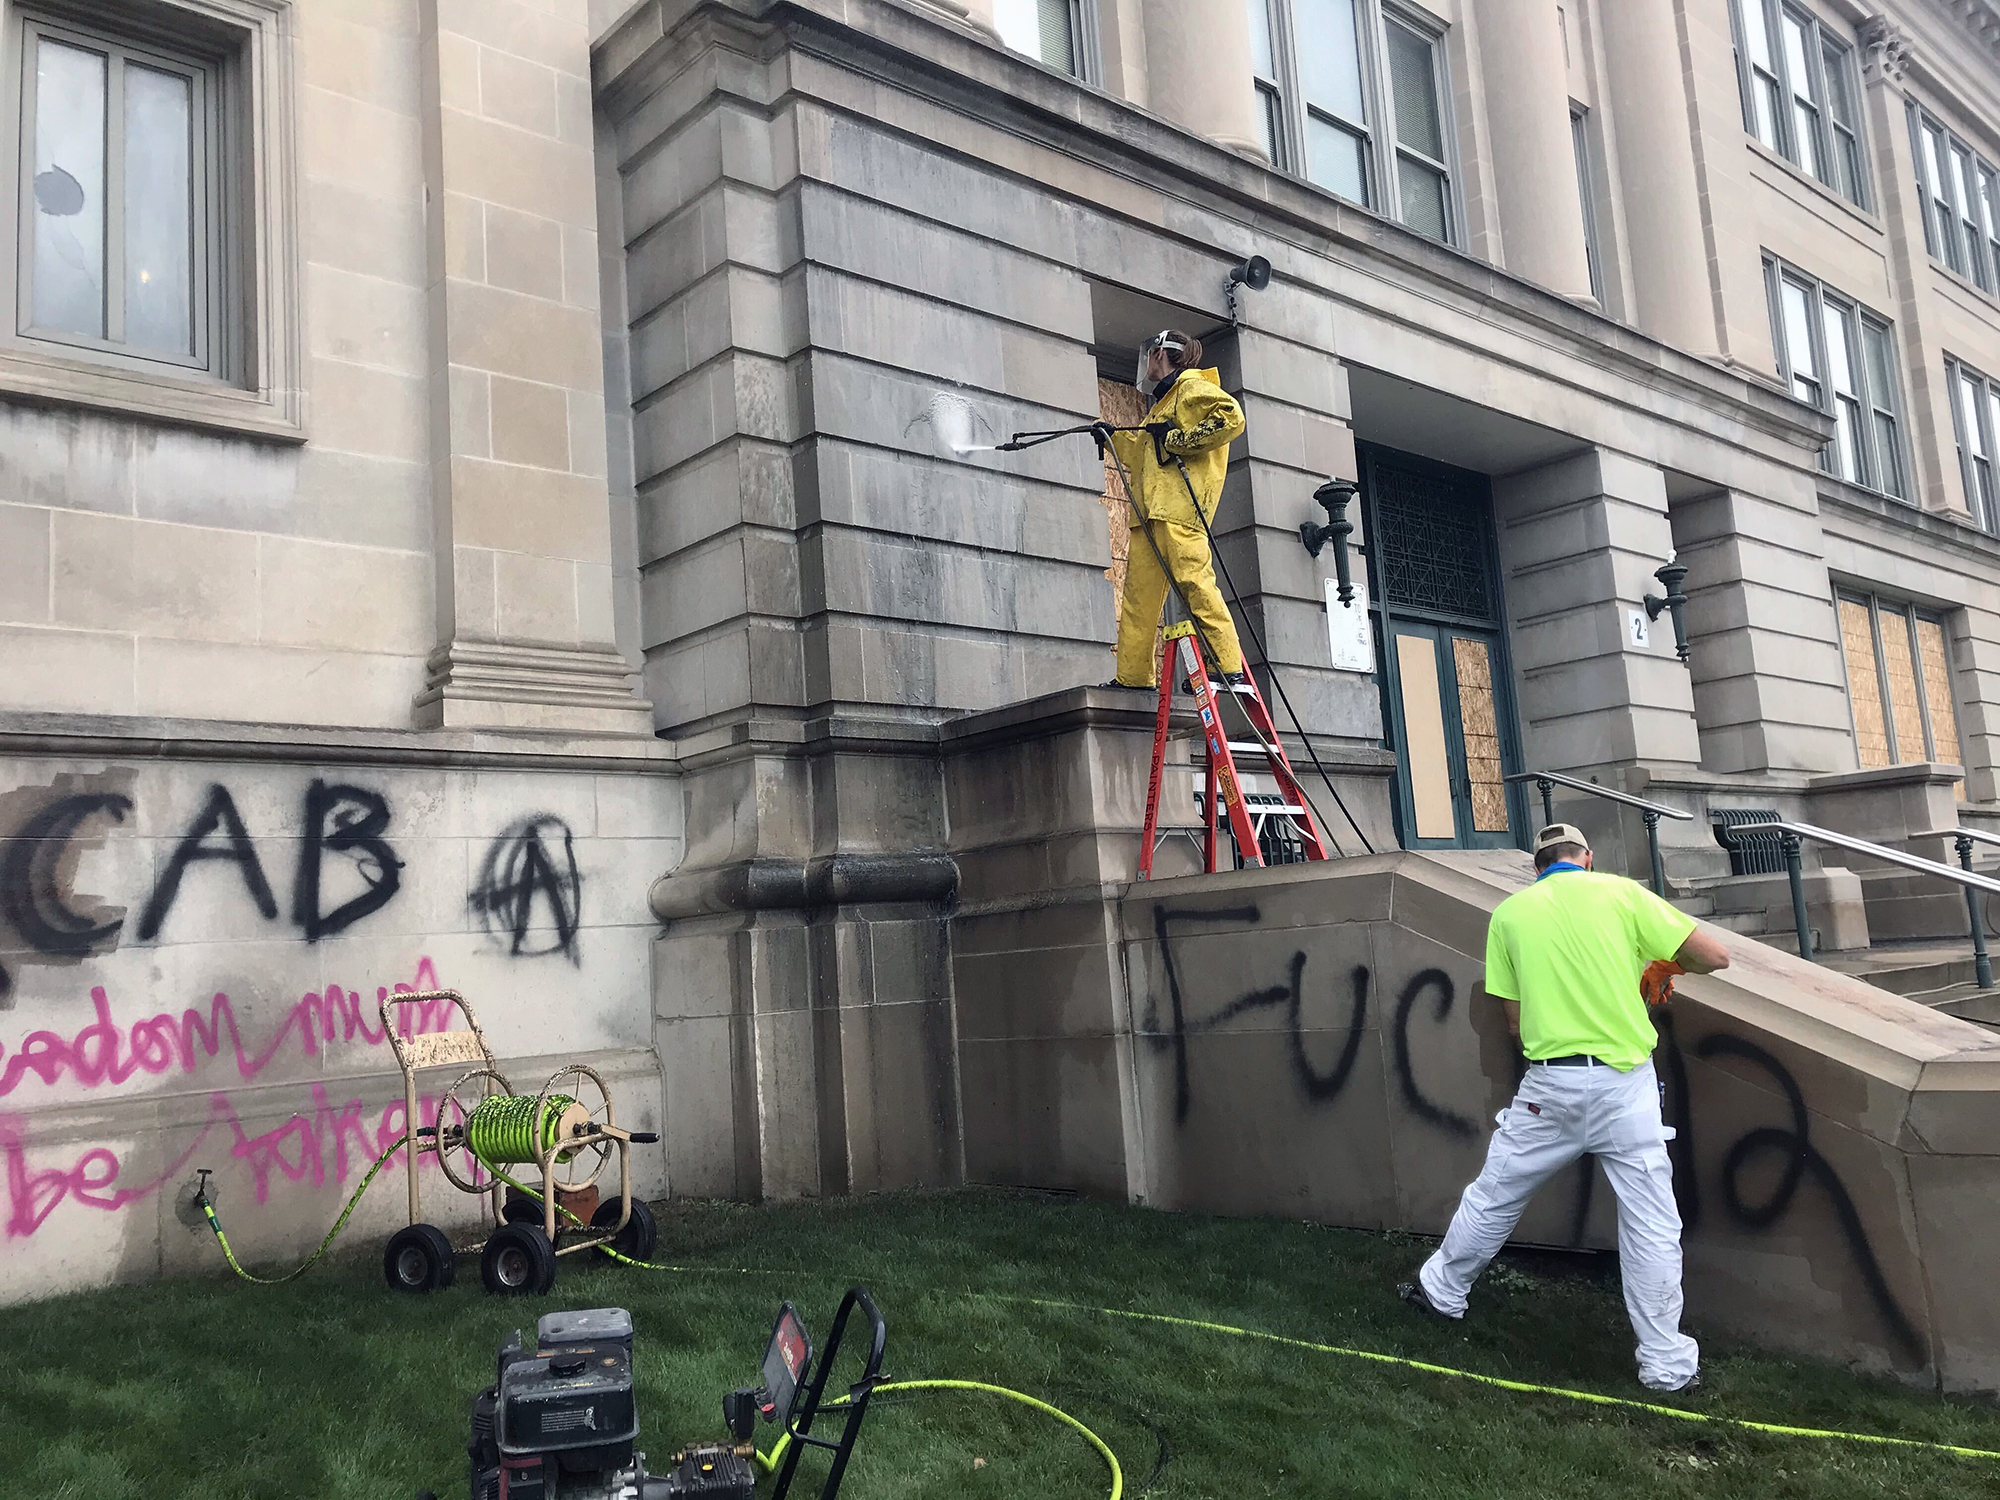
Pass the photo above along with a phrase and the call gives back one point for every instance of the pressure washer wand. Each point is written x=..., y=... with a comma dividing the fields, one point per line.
x=1024, y=440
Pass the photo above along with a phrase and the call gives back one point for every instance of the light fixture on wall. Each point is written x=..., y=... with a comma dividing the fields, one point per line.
x=1255, y=273
x=1333, y=497
x=1672, y=574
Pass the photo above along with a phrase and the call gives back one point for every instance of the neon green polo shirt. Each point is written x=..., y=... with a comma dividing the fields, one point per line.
x=1571, y=949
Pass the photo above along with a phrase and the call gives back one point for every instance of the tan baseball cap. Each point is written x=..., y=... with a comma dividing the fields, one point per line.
x=1560, y=833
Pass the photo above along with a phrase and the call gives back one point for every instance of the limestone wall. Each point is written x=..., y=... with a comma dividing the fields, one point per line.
x=1314, y=1042
x=192, y=951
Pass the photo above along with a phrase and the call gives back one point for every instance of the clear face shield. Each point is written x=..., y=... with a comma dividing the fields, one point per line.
x=1142, y=378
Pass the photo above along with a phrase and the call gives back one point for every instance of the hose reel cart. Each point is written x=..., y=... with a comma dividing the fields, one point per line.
x=568, y=1133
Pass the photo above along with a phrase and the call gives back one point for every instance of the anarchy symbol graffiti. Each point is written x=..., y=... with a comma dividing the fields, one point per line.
x=529, y=894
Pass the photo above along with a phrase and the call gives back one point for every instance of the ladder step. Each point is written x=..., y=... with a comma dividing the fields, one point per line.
x=1261, y=809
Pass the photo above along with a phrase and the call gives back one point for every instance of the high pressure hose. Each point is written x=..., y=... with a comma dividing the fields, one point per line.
x=1146, y=529
x=1270, y=667
x=207, y=1206
x=768, y=1462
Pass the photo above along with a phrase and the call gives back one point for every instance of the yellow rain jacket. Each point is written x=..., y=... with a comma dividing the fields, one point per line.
x=1206, y=419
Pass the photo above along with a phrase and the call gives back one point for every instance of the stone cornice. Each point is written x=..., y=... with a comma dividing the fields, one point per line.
x=1882, y=514
x=898, y=46
x=1980, y=17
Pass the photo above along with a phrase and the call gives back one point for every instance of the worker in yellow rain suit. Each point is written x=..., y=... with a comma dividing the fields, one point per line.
x=1192, y=422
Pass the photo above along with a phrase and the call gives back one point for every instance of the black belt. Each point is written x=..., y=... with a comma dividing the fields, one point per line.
x=1574, y=1060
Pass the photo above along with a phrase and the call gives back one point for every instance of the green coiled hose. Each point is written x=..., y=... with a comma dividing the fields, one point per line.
x=502, y=1128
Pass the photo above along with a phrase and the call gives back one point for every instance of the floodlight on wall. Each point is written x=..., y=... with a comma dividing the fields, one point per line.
x=1672, y=574
x=1333, y=497
x=1255, y=273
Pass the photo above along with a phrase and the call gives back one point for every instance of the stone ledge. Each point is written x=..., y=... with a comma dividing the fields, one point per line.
x=1056, y=713
x=113, y=736
x=1910, y=773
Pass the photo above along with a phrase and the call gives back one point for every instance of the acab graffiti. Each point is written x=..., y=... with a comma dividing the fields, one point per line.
x=528, y=895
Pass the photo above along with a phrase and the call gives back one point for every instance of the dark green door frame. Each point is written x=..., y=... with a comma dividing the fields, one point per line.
x=1442, y=585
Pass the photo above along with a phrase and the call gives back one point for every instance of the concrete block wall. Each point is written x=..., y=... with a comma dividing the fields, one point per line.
x=194, y=949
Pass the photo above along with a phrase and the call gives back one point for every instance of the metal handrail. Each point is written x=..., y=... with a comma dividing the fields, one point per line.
x=1557, y=778
x=1547, y=781
x=1792, y=834
x=1976, y=833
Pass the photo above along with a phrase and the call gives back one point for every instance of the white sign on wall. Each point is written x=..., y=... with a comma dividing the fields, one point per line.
x=1638, y=629
x=1348, y=635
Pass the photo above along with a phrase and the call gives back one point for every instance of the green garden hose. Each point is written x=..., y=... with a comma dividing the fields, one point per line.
x=502, y=1128
x=768, y=1462
x=506, y=1135
x=208, y=1208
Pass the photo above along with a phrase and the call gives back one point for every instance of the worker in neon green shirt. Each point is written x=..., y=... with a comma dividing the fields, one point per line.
x=1568, y=957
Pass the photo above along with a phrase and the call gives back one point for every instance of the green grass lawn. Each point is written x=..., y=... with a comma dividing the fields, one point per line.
x=333, y=1387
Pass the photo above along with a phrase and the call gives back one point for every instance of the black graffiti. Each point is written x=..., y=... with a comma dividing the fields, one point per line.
x=31, y=888
x=533, y=861
x=1800, y=1158
x=217, y=815
x=1318, y=1085
x=1680, y=1150
x=1420, y=1105
x=359, y=818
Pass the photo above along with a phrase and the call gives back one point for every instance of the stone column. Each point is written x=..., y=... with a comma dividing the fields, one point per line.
x=521, y=505
x=1671, y=296
x=1198, y=71
x=977, y=13
x=1534, y=163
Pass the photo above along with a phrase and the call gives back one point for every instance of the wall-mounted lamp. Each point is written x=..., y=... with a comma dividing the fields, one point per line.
x=1255, y=273
x=1333, y=497
x=1672, y=575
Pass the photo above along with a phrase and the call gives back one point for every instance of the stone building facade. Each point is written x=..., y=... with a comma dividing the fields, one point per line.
x=513, y=553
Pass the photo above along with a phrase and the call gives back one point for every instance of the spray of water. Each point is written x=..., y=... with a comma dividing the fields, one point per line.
x=955, y=426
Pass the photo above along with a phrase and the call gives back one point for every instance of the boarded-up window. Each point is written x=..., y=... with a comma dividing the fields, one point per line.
x=1899, y=680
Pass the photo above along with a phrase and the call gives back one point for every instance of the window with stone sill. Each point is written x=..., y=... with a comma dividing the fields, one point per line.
x=1836, y=355
x=1579, y=137
x=1975, y=420
x=1899, y=682
x=1801, y=94
x=1355, y=98
x=143, y=249
x=1960, y=192
x=1055, y=32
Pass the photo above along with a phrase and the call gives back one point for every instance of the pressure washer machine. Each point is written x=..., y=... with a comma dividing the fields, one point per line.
x=561, y=1420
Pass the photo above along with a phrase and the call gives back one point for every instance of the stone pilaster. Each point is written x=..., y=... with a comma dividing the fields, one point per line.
x=1770, y=691
x=1534, y=164
x=520, y=501
x=1671, y=296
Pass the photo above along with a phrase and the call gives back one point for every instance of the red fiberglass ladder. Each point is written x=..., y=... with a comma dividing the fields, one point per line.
x=1181, y=657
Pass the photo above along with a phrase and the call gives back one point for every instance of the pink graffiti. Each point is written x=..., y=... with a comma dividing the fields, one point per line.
x=327, y=1146
x=319, y=1154
x=104, y=1052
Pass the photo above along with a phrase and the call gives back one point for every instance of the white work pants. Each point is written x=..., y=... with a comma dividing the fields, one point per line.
x=1559, y=1114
